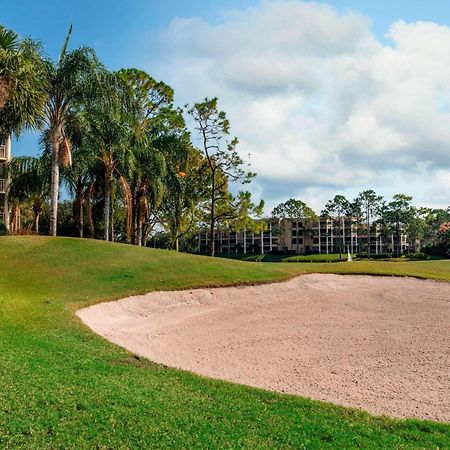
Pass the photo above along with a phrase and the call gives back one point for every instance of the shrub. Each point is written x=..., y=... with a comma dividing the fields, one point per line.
x=418, y=256
x=2, y=228
x=255, y=258
x=374, y=256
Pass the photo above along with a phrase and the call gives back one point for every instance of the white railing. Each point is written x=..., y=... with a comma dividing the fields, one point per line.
x=2, y=186
x=2, y=151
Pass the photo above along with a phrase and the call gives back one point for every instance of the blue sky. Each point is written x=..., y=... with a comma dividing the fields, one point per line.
x=161, y=38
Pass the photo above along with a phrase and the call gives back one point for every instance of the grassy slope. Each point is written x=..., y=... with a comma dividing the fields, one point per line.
x=64, y=387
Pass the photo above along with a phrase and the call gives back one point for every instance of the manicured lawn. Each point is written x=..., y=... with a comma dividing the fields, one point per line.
x=64, y=387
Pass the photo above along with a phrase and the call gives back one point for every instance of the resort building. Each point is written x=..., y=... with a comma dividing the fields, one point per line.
x=300, y=236
x=5, y=156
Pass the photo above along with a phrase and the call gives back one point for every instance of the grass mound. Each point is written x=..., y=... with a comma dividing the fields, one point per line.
x=64, y=387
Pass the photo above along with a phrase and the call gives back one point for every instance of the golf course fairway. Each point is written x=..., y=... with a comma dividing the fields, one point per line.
x=62, y=386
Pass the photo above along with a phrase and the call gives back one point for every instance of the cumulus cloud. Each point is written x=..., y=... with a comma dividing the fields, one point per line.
x=321, y=105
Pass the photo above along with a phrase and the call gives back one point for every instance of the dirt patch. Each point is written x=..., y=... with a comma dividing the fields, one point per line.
x=380, y=344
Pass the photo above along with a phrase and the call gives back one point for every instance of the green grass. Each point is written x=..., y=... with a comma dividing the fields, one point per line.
x=62, y=386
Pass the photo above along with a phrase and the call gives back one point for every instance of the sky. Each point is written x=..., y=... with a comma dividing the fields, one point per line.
x=327, y=97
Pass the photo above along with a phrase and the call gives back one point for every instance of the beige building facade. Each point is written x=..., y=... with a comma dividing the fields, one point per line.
x=301, y=236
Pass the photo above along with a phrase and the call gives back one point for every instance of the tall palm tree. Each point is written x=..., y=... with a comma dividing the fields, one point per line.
x=151, y=114
x=82, y=173
x=71, y=80
x=122, y=125
x=22, y=84
x=108, y=131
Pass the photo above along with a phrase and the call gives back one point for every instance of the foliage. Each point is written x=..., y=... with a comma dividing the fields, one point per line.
x=338, y=209
x=2, y=228
x=22, y=84
x=183, y=187
x=398, y=213
x=225, y=166
x=444, y=236
x=71, y=81
x=371, y=207
x=29, y=183
x=293, y=208
x=418, y=256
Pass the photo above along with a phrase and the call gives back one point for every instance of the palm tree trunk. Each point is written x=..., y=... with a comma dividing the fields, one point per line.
x=15, y=225
x=139, y=228
x=88, y=202
x=54, y=188
x=36, y=222
x=112, y=235
x=79, y=205
x=107, y=205
x=37, y=210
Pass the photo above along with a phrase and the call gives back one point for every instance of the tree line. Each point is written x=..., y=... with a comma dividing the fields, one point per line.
x=424, y=227
x=119, y=145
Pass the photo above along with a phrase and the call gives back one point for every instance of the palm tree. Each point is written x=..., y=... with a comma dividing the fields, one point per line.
x=29, y=182
x=82, y=173
x=108, y=131
x=151, y=115
x=71, y=81
x=22, y=84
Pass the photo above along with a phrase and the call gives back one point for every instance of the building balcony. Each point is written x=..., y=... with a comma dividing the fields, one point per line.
x=2, y=186
x=2, y=152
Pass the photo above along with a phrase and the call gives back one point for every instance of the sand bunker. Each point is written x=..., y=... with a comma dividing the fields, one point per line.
x=381, y=344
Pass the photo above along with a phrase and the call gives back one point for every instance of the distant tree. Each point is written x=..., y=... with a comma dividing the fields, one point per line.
x=293, y=209
x=225, y=166
x=240, y=213
x=399, y=213
x=355, y=217
x=338, y=209
x=434, y=218
x=371, y=205
x=179, y=211
x=416, y=227
x=444, y=236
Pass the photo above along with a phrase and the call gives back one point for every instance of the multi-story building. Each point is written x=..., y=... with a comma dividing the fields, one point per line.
x=226, y=241
x=303, y=236
x=5, y=156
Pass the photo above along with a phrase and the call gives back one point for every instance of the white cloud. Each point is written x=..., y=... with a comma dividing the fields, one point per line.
x=318, y=101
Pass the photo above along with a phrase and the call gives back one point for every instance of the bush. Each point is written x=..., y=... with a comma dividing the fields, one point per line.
x=418, y=256
x=436, y=250
x=375, y=256
x=254, y=258
x=2, y=228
